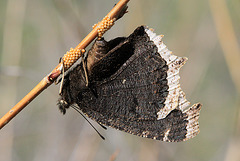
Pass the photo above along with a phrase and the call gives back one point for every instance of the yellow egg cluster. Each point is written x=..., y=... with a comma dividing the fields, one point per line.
x=105, y=25
x=71, y=57
x=74, y=54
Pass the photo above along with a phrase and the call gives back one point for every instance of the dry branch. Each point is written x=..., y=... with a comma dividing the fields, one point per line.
x=115, y=13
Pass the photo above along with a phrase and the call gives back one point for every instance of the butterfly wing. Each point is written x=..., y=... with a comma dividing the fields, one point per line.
x=130, y=99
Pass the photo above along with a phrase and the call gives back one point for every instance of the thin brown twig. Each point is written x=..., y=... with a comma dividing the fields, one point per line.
x=116, y=12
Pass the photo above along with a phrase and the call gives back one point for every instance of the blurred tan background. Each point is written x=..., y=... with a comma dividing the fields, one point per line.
x=35, y=34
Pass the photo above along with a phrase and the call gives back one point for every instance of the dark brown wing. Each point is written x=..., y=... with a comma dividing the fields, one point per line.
x=130, y=99
x=135, y=88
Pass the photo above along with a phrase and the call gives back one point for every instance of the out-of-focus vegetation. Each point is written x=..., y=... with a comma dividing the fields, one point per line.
x=35, y=34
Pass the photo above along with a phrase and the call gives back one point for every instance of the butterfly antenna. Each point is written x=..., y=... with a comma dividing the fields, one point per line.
x=76, y=109
x=104, y=127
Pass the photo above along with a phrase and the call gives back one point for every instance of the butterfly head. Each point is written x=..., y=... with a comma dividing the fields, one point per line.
x=62, y=105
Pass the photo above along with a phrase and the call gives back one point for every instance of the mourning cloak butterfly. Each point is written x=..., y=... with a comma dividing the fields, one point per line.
x=133, y=87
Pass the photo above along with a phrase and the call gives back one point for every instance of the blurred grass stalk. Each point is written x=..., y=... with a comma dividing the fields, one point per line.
x=12, y=43
x=227, y=38
x=230, y=47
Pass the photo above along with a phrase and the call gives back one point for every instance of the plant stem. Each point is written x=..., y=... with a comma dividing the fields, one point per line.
x=116, y=12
